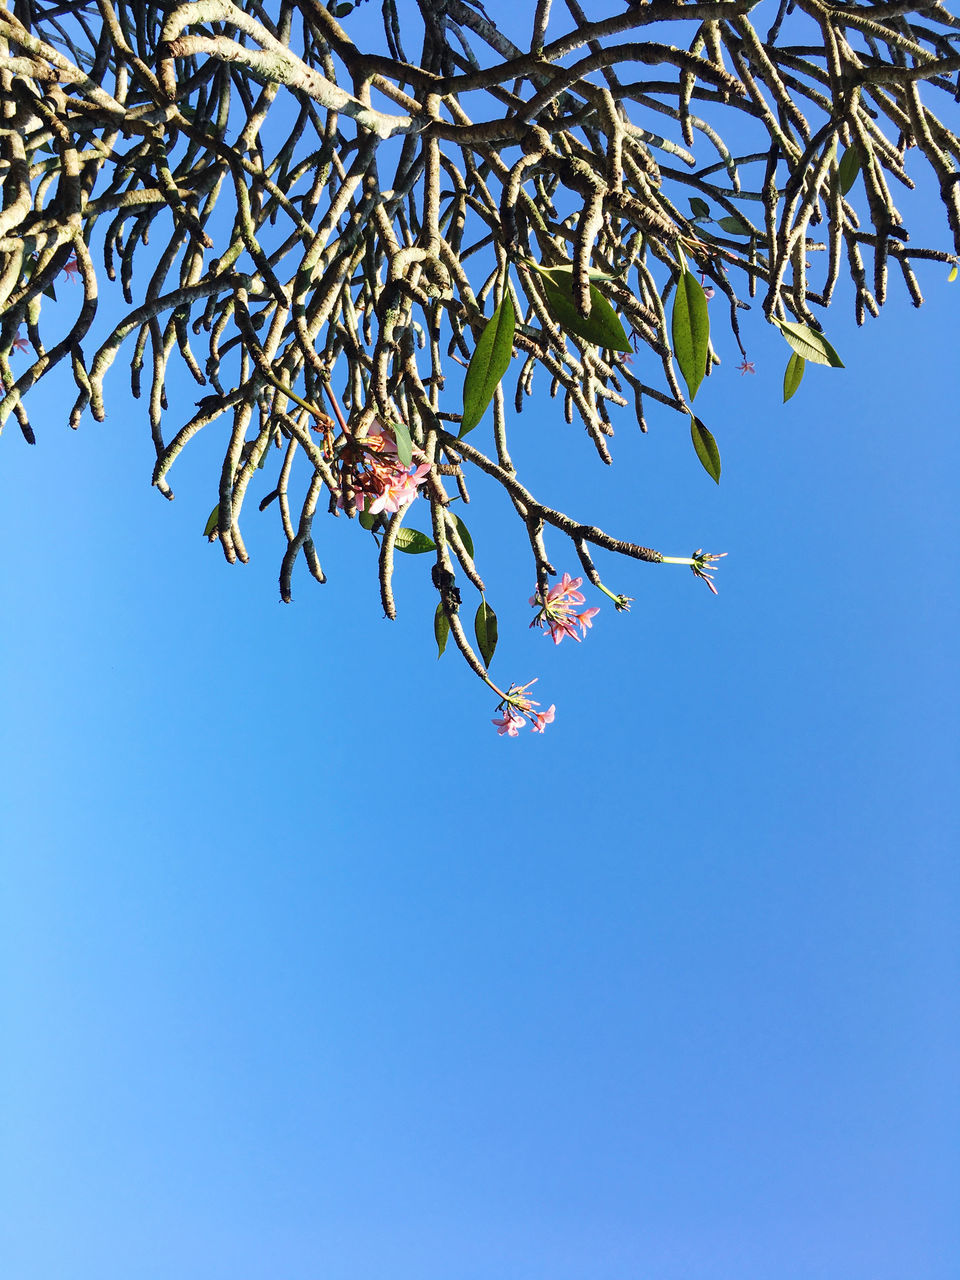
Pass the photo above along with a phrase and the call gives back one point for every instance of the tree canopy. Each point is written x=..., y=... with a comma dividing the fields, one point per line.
x=363, y=254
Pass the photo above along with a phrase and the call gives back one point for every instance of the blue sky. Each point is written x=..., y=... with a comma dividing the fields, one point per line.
x=308, y=973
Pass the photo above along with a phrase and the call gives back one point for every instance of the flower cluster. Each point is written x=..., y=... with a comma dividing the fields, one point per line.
x=556, y=611
x=518, y=709
x=702, y=565
x=382, y=484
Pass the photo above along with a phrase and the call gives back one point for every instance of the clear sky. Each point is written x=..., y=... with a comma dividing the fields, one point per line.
x=305, y=972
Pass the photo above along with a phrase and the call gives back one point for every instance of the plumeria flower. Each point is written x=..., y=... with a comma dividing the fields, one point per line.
x=746, y=367
x=518, y=707
x=71, y=268
x=511, y=724
x=382, y=485
x=20, y=343
x=585, y=620
x=556, y=612
x=399, y=488
x=541, y=719
x=709, y=292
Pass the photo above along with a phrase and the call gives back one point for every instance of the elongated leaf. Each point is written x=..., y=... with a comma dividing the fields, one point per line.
x=793, y=375
x=210, y=528
x=953, y=274
x=465, y=538
x=706, y=448
x=489, y=362
x=847, y=170
x=485, y=629
x=404, y=443
x=734, y=227
x=441, y=629
x=690, y=328
x=602, y=326
x=565, y=272
x=413, y=542
x=699, y=208
x=808, y=343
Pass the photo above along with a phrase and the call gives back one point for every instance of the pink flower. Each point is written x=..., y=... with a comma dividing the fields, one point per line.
x=709, y=291
x=517, y=708
x=543, y=718
x=510, y=724
x=398, y=488
x=20, y=343
x=71, y=268
x=585, y=619
x=556, y=612
x=746, y=367
x=381, y=484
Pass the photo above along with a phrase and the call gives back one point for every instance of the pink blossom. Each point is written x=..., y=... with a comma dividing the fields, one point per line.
x=398, y=488
x=746, y=367
x=709, y=292
x=20, y=343
x=585, y=619
x=71, y=268
x=510, y=724
x=381, y=484
x=542, y=718
x=518, y=707
x=556, y=612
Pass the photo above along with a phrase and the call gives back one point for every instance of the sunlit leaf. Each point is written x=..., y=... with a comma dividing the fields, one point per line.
x=404, y=443
x=565, y=272
x=489, y=362
x=690, y=329
x=602, y=326
x=485, y=629
x=734, y=226
x=210, y=528
x=793, y=375
x=847, y=170
x=465, y=538
x=441, y=629
x=810, y=344
x=706, y=448
x=953, y=275
x=413, y=542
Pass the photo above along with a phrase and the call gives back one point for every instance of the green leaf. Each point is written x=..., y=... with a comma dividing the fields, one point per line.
x=793, y=375
x=734, y=226
x=699, y=208
x=465, y=538
x=485, y=629
x=706, y=448
x=413, y=542
x=810, y=344
x=489, y=362
x=210, y=528
x=953, y=274
x=602, y=326
x=441, y=629
x=565, y=272
x=847, y=170
x=404, y=443
x=50, y=292
x=367, y=519
x=690, y=328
